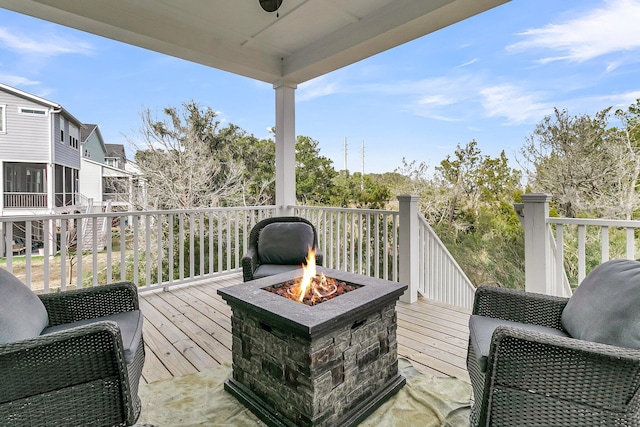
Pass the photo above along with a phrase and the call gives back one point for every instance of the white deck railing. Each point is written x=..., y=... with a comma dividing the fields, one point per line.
x=159, y=249
x=441, y=278
x=361, y=241
x=560, y=252
x=366, y=241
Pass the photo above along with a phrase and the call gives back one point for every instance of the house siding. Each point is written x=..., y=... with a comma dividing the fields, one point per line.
x=64, y=154
x=27, y=135
x=91, y=179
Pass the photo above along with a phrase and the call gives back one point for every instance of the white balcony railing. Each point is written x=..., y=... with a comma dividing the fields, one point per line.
x=159, y=249
x=560, y=252
x=25, y=200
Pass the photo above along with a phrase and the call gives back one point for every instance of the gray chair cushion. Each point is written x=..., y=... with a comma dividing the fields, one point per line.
x=606, y=306
x=129, y=322
x=481, y=330
x=285, y=243
x=265, y=270
x=22, y=314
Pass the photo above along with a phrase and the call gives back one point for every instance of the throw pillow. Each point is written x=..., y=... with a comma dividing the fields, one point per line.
x=22, y=314
x=604, y=308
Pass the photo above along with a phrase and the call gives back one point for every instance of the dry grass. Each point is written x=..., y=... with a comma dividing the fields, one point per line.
x=37, y=269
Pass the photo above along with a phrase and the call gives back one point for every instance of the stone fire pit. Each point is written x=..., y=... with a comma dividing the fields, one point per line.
x=330, y=364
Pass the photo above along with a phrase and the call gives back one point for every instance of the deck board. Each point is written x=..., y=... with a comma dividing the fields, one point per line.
x=188, y=329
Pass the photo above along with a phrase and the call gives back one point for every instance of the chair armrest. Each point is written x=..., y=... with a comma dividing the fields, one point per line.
x=563, y=369
x=519, y=306
x=89, y=303
x=249, y=264
x=62, y=359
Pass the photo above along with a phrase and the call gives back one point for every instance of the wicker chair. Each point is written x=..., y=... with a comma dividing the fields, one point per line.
x=82, y=369
x=534, y=373
x=277, y=245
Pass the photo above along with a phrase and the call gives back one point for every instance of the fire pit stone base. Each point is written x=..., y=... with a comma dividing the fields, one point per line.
x=332, y=378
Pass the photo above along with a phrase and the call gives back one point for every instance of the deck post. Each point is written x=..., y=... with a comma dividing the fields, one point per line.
x=409, y=235
x=537, y=245
x=285, y=147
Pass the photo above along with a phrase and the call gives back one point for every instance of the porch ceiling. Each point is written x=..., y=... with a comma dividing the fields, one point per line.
x=309, y=39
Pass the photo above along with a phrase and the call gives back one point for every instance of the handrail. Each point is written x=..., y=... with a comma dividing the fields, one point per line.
x=441, y=277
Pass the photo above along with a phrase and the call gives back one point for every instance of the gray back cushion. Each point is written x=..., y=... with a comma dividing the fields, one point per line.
x=606, y=306
x=22, y=314
x=285, y=243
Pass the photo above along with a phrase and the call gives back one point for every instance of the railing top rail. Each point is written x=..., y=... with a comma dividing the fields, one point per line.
x=126, y=213
x=355, y=210
x=595, y=221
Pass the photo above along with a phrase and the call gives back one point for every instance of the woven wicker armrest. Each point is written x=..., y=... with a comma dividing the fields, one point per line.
x=89, y=303
x=519, y=306
x=249, y=263
x=543, y=366
x=82, y=355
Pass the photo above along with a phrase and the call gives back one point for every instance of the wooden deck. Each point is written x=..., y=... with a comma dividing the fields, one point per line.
x=188, y=329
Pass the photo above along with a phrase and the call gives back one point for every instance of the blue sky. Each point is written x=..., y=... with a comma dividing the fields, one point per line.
x=491, y=78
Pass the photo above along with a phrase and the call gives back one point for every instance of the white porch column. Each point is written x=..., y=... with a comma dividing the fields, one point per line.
x=409, y=234
x=285, y=147
x=537, y=248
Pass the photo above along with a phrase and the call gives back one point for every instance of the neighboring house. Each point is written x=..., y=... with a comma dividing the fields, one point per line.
x=114, y=181
x=39, y=155
x=39, y=162
x=115, y=156
x=45, y=153
x=93, y=146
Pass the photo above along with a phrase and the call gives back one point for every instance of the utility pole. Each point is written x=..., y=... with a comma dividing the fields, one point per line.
x=345, y=155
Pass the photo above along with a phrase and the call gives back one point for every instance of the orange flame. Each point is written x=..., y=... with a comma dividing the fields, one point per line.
x=311, y=286
x=309, y=273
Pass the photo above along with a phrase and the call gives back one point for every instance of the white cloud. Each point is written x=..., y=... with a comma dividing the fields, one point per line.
x=473, y=61
x=514, y=104
x=17, y=81
x=318, y=87
x=611, y=28
x=46, y=45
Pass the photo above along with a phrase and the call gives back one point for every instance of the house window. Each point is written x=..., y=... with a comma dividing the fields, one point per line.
x=62, y=136
x=33, y=111
x=87, y=153
x=73, y=142
x=3, y=119
x=111, y=162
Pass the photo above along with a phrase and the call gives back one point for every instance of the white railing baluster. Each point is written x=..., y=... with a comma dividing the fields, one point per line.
x=192, y=244
x=109, y=244
x=47, y=247
x=136, y=255
x=123, y=248
x=159, y=250
x=63, y=254
x=604, y=242
x=28, y=246
x=631, y=253
x=94, y=248
x=582, y=264
x=212, y=258
x=171, y=247
x=78, y=239
x=147, y=257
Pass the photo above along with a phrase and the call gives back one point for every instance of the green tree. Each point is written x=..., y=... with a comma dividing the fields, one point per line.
x=575, y=159
x=185, y=162
x=314, y=173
